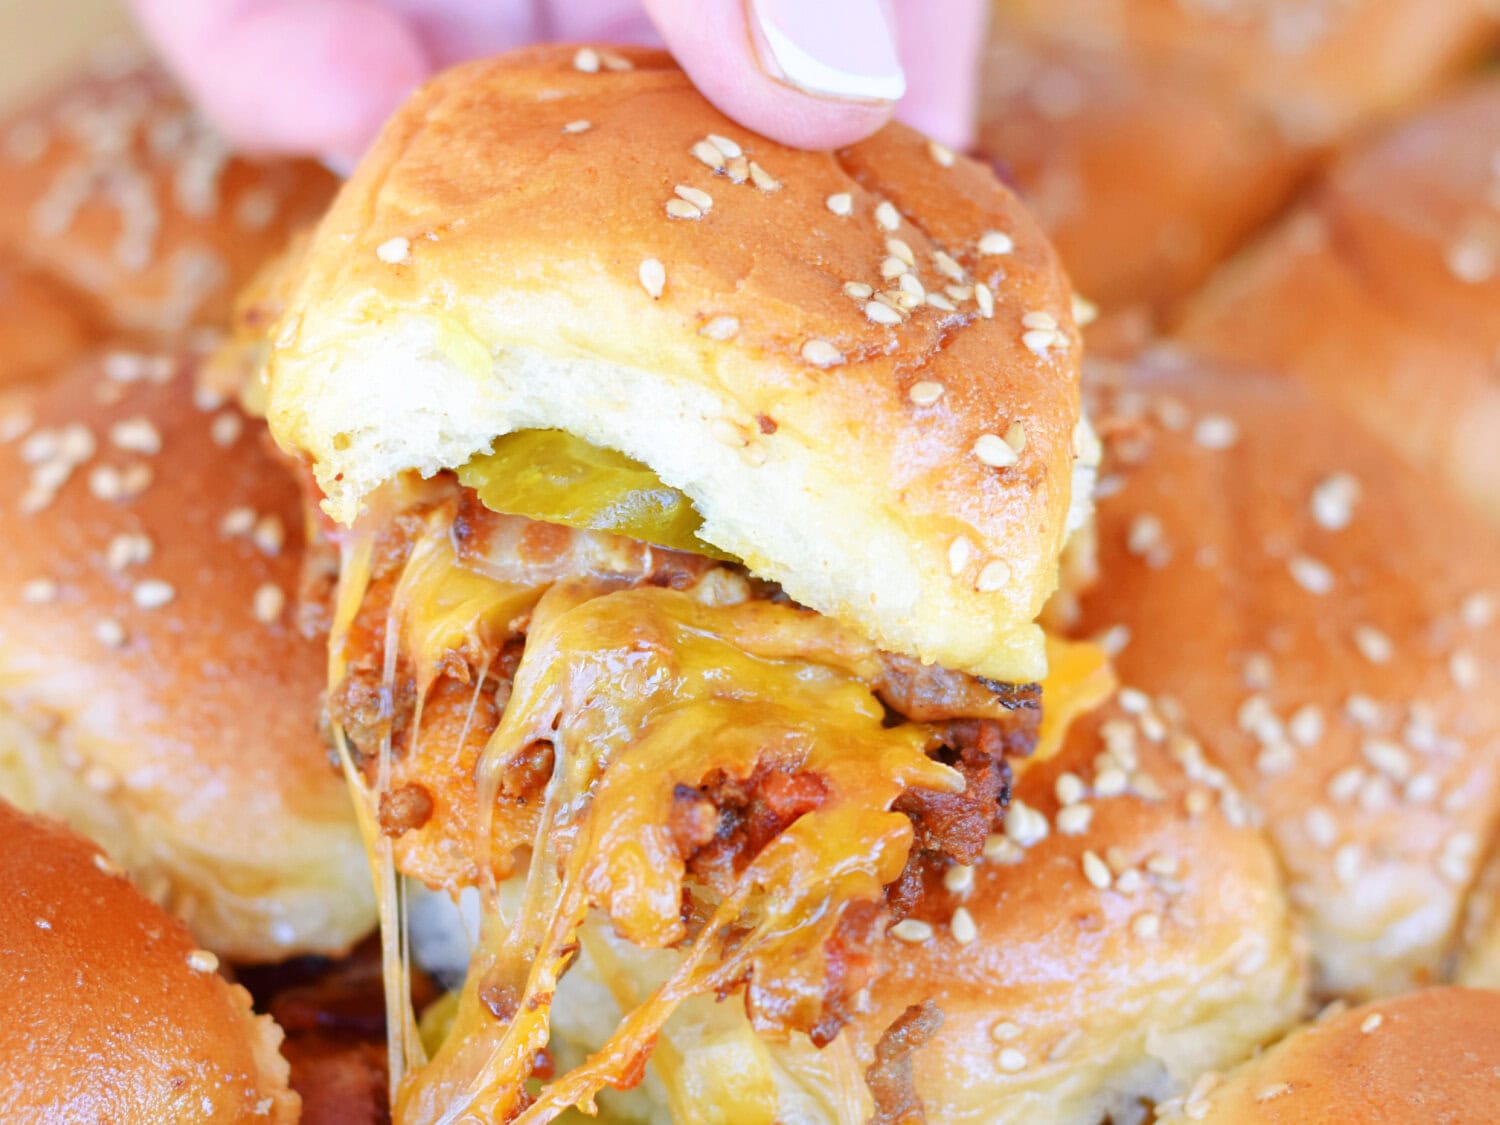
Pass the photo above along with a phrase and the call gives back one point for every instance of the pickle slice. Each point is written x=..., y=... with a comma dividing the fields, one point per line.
x=554, y=477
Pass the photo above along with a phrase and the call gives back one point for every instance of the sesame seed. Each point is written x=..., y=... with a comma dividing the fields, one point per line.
x=985, y=300
x=1310, y=574
x=39, y=591
x=579, y=126
x=1477, y=610
x=960, y=554
x=1146, y=925
x=1074, y=820
x=941, y=153
x=962, y=927
x=1085, y=312
x=1042, y=320
x=1095, y=870
x=1333, y=500
x=128, y=549
x=394, y=251
x=1473, y=260
x=1163, y=864
x=1387, y=757
x=912, y=931
x=225, y=429
x=763, y=179
x=1216, y=432
x=840, y=203
x=993, y=450
x=152, y=593
x=887, y=216
x=958, y=879
x=653, y=277
x=993, y=242
x=107, y=865
x=1269, y=1093
x=709, y=155
x=586, y=59
x=613, y=61
x=1002, y=849
x=137, y=435
x=725, y=145
x=1463, y=666
x=1321, y=827
x=721, y=328
x=1005, y=1032
x=945, y=265
x=1346, y=863
x=995, y=576
x=1371, y=1022
x=1012, y=1061
x=1025, y=825
x=879, y=313
x=892, y=267
x=1306, y=725
x=1038, y=340
x=1111, y=782
x=820, y=353
x=682, y=209
x=1373, y=645
x=1420, y=789
x=109, y=633
x=925, y=393
x=696, y=196
x=938, y=301
x=202, y=961
x=269, y=534
x=899, y=249
x=268, y=603
x=1196, y=1110
x=911, y=286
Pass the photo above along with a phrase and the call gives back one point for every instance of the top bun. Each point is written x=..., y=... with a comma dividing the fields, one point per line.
x=577, y=240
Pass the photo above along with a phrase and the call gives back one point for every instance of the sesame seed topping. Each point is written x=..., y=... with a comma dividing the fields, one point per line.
x=1043, y=320
x=268, y=603
x=985, y=300
x=269, y=534
x=1216, y=432
x=820, y=353
x=892, y=266
x=226, y=428
x=911, y=286
x=394, y=251
x=107, y=865
x=887, y=216
x=1012, y=1061
x=1038, y=340
x=763, y=179
x=1371, y=1022
x=152, y=593
x=958, y=879
x=840, y=203
x=912, y=931
x=1268, y=1093
x=696, y=196
x=1373, y=645
x=109, y=633
x=945, y=265
x=1085, y=312
x=1064, y=1046
x=1005, y=1032
x=137, y=435
x=1001, y=849
x=586, y=59
x=682, y=209
x=202, y=961
x=1095, y=870
x=1463, y=666
x=938, y=301
x=994, y=450
x=877, y=312
x=993, y=577
x=940, y=153
x=39, y=591
x=1346, y=863
x=725, y=145
x=128, y=549
x=1310, y=574
x=1069, y=788
x=899, y=249
x=721, y=328
x=962, y=926
x=1146, y=925
x=613, y=61
x=1477, y=610
x=1025, y=825
x=1333, y=500
x=993, y=242
x=709, y=155
x=1074, y=820
x=579, y=126
x=653, y=277
x=960, y=554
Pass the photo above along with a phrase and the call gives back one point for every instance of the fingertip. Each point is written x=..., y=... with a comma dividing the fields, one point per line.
x=941, y=43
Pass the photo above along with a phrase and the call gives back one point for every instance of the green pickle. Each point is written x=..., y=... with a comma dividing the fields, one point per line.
x=555, y=477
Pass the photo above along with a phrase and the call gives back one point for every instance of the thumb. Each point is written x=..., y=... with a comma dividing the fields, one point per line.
x=810, y=73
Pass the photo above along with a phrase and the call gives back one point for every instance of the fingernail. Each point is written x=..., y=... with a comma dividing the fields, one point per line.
x=831, y=48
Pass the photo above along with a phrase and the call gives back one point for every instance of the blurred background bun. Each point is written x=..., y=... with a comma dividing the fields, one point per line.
x=109, y=1010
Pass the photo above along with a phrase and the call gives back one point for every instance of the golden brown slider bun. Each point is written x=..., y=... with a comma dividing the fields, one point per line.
x=552, y=241
x=154, y=688
x=1129, y=931
x=108, y=1010
x=1383, y=292
x=1432, y=1055
x=1324, y=617
x=44, y=325
x=1321, y=68
x=116, y=189
x=1144, y=177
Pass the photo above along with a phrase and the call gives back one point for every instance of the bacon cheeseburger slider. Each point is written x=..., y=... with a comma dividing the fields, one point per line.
x=697, y=497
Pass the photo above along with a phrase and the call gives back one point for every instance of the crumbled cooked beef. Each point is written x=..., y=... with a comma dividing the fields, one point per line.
x=404, y=809
x=889, y=1076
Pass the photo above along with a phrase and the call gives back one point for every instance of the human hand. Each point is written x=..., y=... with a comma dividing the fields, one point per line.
x=320, y=76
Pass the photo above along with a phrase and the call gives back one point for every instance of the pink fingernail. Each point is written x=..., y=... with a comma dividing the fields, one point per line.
x=832, y=48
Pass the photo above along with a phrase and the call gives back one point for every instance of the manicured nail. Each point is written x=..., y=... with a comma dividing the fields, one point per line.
x=830, y=48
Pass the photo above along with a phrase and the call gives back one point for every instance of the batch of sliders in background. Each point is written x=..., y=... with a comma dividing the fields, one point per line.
x=1292, y=565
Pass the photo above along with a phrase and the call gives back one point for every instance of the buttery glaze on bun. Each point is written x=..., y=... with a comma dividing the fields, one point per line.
x=157, y=692
x=116, y=190
x=1382, y=293
x=1324, y=617
x=108, y=1010
x=1432, y=1055
x=1128, y=931
x=44, y=325
x=873, y=346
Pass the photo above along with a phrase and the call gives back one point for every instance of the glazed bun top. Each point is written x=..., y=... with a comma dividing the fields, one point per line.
x=1425, y=1056
x=861, y=365
x=108, y=1010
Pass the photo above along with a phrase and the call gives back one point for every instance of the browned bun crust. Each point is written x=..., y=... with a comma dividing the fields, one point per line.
x=1322, y=69
x=483, y=272
x=108, y=1010
x=116, y=189
x=44, y=324
x=1383, y=293
x=1144, y=177
x=156, y=690
x=1075, y=999
x=1432, y=1055
x=1324, y=616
